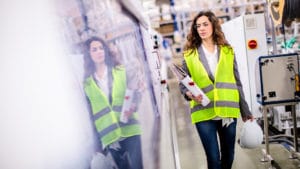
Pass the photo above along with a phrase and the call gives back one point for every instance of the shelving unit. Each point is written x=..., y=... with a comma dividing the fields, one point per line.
x=166, y=28
x=225, y=10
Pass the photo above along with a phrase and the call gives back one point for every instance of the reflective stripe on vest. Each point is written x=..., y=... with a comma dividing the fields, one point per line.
x=105, y=111
x=106, y=116
x=114, y=126
x=223, y=92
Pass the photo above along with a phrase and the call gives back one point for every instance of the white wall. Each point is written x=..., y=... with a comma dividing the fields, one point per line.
x=43, y=118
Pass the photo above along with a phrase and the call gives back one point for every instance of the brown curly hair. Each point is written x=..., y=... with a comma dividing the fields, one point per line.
x=193, y=38
x=89, y=65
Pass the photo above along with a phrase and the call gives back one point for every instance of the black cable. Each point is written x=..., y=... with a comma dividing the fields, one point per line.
x=291, y=10
x=284, y=37
x=280, y=141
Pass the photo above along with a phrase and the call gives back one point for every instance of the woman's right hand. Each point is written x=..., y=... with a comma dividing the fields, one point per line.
x=197, y=99
x=248, y=117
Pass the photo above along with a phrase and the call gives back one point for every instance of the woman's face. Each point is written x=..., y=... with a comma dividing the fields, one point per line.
x=97, y=52
x=204, y=27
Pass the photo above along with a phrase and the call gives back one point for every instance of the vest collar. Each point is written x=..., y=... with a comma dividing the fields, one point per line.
x=204, y=61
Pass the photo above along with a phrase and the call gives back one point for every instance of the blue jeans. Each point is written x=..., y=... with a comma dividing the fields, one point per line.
x=207, y=131
x=129, y=156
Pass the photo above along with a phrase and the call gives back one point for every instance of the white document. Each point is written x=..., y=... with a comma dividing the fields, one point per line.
x=126, y=105
x=196, y=91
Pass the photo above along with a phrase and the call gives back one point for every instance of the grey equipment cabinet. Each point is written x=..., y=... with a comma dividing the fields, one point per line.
x=276, y=77
x=277, y=83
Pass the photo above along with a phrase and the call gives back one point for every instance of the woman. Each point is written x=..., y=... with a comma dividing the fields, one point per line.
x=105, y=85
x=210, y=61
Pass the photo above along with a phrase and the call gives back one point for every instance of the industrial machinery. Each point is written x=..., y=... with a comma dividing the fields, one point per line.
x=277, y=83
x=270, y=82
x=277, y=79
x=248, y=41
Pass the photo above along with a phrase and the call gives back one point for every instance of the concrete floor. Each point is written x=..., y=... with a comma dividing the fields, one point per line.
x=188, y=151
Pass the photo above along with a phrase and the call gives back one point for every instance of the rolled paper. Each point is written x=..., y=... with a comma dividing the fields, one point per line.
x=196, y=91
x=126, y=105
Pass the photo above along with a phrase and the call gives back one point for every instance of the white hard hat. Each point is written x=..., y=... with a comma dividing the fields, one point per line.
x=100, y=160
x=251, y=135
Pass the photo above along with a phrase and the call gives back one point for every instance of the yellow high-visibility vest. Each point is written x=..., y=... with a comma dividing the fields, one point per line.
x=223, y=92
x=106, y=116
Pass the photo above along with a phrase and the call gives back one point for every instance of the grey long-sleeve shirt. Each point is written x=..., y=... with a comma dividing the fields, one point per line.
x=243, y=104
